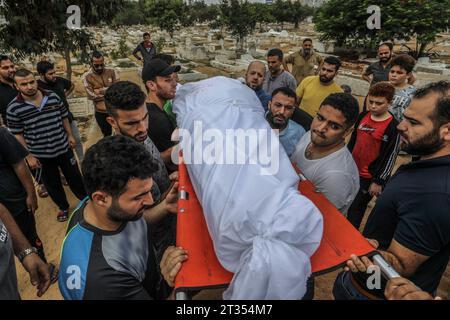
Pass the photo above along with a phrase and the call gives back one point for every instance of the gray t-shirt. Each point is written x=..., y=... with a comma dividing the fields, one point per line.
x=285, y=79
x=161, y=176
x=336, y=175
x=401, y=101
x=8, y=278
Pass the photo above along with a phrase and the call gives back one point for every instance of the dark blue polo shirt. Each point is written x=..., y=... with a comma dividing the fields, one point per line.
x=414, y=209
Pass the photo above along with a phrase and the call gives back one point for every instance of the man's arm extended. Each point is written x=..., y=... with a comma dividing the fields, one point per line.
x=24, y=175
x=366, y=76
x=38, y=270
x=68, y=128
x=70, y=90
x=32, y=161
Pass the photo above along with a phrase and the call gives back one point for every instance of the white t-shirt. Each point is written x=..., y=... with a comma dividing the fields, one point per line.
x=336, y=175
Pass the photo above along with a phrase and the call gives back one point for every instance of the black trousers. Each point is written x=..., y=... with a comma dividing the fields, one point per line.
x=27, y=224
x=105, y=127
x=52, y=179
x=355, y=213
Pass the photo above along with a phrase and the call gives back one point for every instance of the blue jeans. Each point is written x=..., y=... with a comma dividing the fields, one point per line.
x=343, y=288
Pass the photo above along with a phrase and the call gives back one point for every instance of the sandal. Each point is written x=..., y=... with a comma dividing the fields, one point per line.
x=62, y=216
x=42, y=191
x=53, y=273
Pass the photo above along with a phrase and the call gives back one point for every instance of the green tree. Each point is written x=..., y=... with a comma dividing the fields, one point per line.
x=346, y=22
x=299, y=12
x=38, y=27
x=282, y=12
x=131, y=14
x=240, y=20
x=167, y=14
x=263, y=14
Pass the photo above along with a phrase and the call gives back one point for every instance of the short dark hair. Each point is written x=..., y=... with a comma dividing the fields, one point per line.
x=387, y=44
x=334, y=61
x=113, y=161
x=441, y=115
x=169, y=59
x=307, y=39
x=275, y=52
x=346, y=104
x=286, y=91
x=403, y=61
x=96, y=55
x=4, y=58
x=145, y=34
x=382, y=89
x=346, y=88
x=123, y=95
x=22, y=73
x=43, y=67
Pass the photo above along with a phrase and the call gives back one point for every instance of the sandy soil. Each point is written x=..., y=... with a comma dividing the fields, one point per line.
x=52, y=232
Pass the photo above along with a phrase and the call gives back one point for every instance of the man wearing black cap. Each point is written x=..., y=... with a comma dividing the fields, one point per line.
x=160, y=80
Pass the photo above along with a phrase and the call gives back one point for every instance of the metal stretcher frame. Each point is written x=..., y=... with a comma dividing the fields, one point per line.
x=203, y=271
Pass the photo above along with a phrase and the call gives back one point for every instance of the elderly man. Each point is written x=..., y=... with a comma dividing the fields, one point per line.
x=254, y=79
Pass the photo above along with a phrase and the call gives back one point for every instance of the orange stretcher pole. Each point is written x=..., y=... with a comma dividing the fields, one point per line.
x=203, y=271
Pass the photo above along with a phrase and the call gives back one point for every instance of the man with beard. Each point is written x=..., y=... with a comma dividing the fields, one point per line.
x=96, y=81
x=39, y=121
x=314, y=89
x=254, y=78
x=277, y=77
x=321, y=153
x=108, y=252
x=128, y=116
x=63, y=88
x=281, y=109
x=304, y=62
x=379, y=71
x=410, y=223
x=7, y=90
x=158, y=77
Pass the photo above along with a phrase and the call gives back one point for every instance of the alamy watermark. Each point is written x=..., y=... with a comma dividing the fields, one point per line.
x=232, y=147
x=374, y=21
x=74, y=20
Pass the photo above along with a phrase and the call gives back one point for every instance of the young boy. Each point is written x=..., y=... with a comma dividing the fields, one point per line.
x=374, y=146
x=401, y=71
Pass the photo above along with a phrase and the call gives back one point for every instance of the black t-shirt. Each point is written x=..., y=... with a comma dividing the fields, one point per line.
x=7, y=94
x=59, y=87
x=378, y=72
x=160, y=128
x=414, y=209
x=12, y=192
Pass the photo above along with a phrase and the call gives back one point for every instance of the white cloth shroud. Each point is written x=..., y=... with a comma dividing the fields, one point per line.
x=262, y=229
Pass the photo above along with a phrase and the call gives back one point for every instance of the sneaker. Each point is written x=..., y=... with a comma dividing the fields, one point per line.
x=63, y=215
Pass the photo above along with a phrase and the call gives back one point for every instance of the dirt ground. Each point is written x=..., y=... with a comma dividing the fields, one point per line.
x=52, y=232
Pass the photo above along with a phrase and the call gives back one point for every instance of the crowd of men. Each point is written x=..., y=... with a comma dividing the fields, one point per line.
x=121, y=236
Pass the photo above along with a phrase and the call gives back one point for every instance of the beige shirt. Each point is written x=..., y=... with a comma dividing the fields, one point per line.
x=96, y=85
x=301, y=67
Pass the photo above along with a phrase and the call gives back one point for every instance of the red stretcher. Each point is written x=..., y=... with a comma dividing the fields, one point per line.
x=203, y=271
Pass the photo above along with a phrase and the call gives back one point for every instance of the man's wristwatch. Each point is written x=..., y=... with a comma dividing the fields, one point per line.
x=26, y=252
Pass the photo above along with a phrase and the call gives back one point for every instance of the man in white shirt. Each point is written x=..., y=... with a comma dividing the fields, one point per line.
x=321, y=153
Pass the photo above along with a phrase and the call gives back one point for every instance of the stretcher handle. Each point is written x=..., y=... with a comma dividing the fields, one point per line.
x=387, y=270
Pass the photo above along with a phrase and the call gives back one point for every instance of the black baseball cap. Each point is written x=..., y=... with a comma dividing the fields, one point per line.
x=158, y=67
